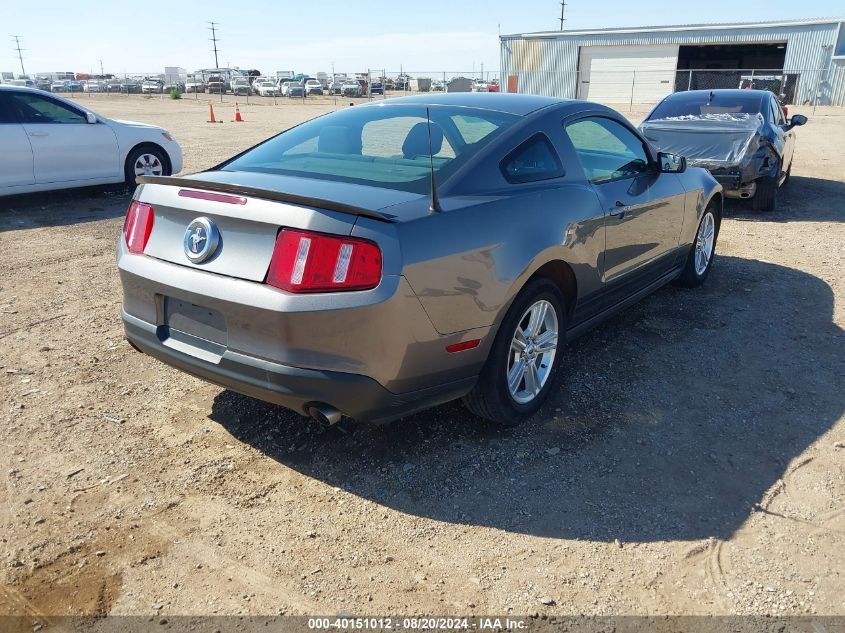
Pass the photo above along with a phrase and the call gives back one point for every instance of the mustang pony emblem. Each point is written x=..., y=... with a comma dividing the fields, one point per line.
x=197, y=238
x=201, y=240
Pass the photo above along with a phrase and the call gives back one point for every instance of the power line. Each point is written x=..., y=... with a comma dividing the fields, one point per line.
x=562, y=10
x=20, y=50
x=214, y=40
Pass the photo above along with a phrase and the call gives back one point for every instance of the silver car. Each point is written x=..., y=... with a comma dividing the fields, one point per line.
x=393, y=256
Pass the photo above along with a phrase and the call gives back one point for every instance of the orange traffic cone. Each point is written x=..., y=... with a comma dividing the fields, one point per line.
x=238, y=118
x=211, y=114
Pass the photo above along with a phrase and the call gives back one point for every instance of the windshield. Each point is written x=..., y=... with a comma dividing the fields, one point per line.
x=701, y=103
x=384, y=146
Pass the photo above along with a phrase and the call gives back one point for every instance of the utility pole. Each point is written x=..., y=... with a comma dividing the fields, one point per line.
x=102, y=73
x=18, y=48
x=562, y=10
x=214, y=40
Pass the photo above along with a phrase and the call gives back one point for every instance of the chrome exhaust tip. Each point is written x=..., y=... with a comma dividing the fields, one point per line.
x=324, y=413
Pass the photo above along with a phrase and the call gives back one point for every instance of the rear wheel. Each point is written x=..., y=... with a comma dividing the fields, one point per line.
x=524, y=358
x=146, y=160
x=766, y=197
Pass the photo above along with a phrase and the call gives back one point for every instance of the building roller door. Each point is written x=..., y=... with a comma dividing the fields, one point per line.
x=608, y=74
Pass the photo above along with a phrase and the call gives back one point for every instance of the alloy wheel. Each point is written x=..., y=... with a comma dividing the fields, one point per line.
x=704, y=242
x=532, y=351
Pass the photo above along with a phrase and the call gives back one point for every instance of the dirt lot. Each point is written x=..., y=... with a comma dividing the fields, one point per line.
x=691, y=461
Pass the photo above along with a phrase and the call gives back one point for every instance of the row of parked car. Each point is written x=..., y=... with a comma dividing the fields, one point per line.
x=244, y=85
x=126, y=85
x=272, y=87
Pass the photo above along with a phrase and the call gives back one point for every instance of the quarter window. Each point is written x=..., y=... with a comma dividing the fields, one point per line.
x=32, y=108
x=606, y=149
x=534, y=160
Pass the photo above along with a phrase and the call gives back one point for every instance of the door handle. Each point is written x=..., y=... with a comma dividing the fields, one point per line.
x=39, y=133
x=618, y=209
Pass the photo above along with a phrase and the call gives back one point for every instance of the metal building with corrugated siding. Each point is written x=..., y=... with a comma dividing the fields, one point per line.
x=802, y=59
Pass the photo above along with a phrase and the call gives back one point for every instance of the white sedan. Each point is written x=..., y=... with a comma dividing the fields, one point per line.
x=52, y=143
x=265, y=87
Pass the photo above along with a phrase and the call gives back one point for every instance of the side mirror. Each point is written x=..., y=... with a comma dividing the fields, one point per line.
x=91, y=117
x=671, y=163
x=797, y=119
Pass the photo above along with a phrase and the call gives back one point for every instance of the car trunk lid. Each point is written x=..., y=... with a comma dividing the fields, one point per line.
x=248, y=220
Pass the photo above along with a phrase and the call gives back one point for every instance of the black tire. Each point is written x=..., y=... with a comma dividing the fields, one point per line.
x=145, y=150
x=690, y=276
x=766, y=197
x=491, y=398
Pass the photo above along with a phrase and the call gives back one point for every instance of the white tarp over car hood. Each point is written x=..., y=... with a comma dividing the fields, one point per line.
x=707, y=140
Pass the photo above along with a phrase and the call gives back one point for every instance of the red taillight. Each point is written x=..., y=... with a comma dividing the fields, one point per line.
x=785, y=112
x=138, y=226
x=314, y=262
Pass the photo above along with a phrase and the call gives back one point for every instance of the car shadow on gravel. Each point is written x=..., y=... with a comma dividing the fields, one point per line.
x=802, y=200
x=64, y=207
x=674, y=421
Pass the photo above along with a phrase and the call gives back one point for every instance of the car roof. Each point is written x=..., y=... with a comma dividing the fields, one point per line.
x=518, y=104
x=19, y=88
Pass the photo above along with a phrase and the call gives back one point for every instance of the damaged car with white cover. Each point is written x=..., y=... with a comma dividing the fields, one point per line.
x=743, y=137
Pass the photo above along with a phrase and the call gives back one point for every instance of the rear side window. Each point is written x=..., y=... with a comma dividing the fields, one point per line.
x=533, y=160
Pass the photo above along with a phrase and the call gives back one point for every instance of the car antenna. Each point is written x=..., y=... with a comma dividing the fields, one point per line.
x=435, y=201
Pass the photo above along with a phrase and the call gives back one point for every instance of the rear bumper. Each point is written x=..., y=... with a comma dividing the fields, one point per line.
x=356, y=396
x=728, y=181
x=733, y=187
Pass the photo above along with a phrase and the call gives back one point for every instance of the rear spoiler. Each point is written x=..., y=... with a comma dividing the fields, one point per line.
x=264, y=194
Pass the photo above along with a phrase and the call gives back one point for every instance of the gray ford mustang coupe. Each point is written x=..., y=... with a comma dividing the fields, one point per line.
x=393, y=256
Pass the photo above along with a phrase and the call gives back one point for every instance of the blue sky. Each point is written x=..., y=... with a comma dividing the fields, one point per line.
x=424, y=35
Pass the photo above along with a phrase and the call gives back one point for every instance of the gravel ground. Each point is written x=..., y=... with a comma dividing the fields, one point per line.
x=690, y=461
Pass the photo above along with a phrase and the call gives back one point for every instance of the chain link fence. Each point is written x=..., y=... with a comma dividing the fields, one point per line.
x=630, y=87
